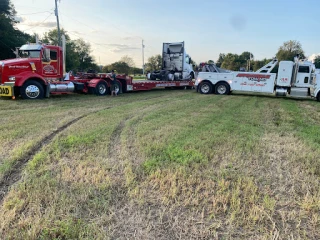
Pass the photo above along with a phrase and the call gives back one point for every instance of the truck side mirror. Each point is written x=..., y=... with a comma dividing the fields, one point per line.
x=46, y=57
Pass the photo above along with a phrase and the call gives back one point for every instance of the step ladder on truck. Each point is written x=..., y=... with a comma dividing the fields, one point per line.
x=296, y=78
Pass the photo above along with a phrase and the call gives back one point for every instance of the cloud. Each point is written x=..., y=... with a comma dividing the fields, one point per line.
x=117, y=48
x=25, y=21
x=313, y=56
x=19, y=19
x=95, y=31
x=130, y=38
x=41, y=24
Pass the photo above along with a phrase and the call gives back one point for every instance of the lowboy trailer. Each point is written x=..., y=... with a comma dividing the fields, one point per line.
x=40, y=72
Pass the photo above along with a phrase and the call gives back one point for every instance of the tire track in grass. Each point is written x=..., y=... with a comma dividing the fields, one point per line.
x=129, y=219
x=115, y=148
x=14, y=175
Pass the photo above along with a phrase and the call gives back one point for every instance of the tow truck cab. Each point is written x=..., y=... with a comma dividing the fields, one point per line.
x=37, y=62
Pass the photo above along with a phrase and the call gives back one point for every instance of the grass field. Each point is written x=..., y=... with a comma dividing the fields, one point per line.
x=163, y=164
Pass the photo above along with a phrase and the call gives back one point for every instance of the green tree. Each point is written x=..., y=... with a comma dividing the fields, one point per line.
x=246, y=56
x=83, y=50
x=106, y=69
x=233, y=62
x=136, y=71
x=154, y=63
x=220, y=59
x=193, y=63
x=289, y=50
x=72, y=61
x=128, y=60
x=10, y=38
x=78, y=57
x=317, y=61
x=121, y=67
x=257, y=64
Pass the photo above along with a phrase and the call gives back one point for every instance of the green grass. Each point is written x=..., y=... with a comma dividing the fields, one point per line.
x=162, y=164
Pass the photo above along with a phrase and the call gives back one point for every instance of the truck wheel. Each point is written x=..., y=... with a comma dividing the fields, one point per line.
x=32, y=90
x=191, y=76
x=318, y=97
x=101, y=89
x=117, y=88
x=205, y=88
x=222, y=88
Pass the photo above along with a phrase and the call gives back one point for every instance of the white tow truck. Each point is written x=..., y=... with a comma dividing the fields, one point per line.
x=296, y=78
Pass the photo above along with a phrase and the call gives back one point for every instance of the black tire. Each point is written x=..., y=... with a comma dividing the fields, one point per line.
x=153, y=77
x=191, y=76
x=118, y=88
x=32, y=90
x=205, y=88
x=101, y=89
x=318, y=97
x=222, y=88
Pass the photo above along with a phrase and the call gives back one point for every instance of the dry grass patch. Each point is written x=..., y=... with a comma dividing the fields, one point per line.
x=171, y=165
x=287, y=171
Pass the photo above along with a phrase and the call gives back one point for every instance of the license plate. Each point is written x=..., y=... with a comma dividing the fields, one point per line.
x=5, y=91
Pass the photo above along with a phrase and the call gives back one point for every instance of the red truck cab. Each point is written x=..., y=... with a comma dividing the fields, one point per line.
x=29, y=74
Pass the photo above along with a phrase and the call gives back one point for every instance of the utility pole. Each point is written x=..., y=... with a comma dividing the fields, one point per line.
x=57, y=15
x=37, y=38
x=16, y=52
x=142, y=58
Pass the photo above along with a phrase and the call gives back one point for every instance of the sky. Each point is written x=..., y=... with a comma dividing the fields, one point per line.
x=115, y=28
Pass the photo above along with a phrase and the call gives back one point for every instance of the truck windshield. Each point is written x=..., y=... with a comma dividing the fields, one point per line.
x=30, y=54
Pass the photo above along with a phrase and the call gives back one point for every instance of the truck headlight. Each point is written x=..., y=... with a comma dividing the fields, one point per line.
x=199, y=80
x=12, y=78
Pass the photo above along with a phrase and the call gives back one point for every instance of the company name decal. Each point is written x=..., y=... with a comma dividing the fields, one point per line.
x=254, y=77
x=19, y=67
x=49, y=69
x=165, y=84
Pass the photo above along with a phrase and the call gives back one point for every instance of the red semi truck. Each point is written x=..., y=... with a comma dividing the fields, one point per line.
x=40, y=72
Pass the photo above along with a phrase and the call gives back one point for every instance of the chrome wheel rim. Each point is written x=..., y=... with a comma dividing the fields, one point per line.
x=32, y=91
x=205, y=88
x=102, y=89
x=222, y=89
x=116, y=89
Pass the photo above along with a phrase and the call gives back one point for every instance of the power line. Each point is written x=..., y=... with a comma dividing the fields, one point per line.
x=39, y=23
x=100, y=30
x=22, y=14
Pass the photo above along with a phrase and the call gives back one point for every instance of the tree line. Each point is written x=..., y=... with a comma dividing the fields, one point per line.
x=79, y=58
x=287, y=51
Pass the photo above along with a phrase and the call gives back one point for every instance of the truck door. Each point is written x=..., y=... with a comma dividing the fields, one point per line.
x=303, y=77
x=50, y=64
x=186, y=69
